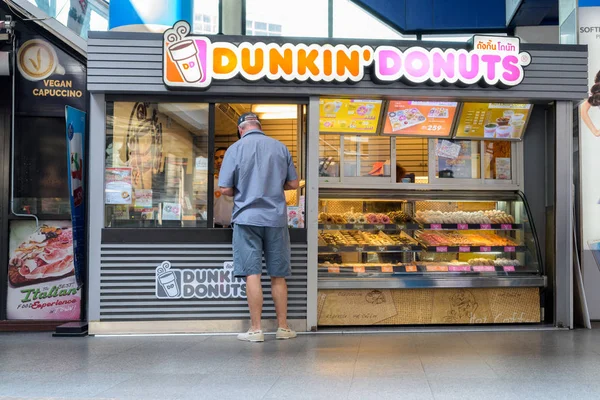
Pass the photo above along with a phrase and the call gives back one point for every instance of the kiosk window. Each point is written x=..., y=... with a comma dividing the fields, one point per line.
x=459, y=159
x=41, y=185
x=157, y=165
x=498, y=160
x=366, y=156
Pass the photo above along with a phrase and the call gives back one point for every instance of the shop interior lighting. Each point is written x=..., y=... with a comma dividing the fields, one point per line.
x=278, y=115
x=274, y=108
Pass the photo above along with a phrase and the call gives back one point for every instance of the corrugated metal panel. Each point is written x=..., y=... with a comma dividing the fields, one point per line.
x=127, y=283
x=132, y=65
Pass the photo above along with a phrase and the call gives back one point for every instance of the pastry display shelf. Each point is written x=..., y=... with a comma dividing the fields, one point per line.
x=476, y=249
x=432, y=281
x=411, y=269
x=482, y=227
x=368, y=248
x=414, y=226
x=369, y=227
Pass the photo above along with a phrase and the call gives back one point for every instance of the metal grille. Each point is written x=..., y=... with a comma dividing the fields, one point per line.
x=127, y=283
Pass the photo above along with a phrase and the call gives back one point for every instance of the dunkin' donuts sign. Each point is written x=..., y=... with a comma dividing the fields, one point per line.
x=194, y=61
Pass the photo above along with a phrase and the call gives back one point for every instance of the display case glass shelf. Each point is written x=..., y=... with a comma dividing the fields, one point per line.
x=378, y=238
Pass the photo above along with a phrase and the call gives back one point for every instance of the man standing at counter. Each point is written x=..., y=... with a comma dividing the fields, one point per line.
x=255, y=172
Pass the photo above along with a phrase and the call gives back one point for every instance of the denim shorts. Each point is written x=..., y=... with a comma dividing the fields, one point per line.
x=250, y=243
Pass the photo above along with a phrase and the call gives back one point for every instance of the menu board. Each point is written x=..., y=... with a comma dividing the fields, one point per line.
x=349, y=116
x=493, y=121
x=419, y=118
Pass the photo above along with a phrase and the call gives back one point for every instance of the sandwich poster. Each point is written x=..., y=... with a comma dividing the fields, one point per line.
x=41, y=272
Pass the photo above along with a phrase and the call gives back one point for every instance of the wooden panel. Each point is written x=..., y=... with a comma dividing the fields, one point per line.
x=428, y=306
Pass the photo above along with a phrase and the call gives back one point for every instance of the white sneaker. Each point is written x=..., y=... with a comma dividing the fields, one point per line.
x=256, y=336
x=285, y=334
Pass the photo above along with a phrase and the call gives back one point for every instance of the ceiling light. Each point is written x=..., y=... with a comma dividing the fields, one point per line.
x=274, y=108
x=278, y=115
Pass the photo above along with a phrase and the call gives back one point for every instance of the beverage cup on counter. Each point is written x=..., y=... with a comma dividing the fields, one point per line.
x=185, y=55
x=490, y=130
x=517, y=127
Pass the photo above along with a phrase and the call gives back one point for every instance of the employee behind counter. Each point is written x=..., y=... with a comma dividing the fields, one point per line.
x=223, y=206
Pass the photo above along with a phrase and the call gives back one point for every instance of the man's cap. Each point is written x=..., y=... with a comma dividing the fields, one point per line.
x=248, y=117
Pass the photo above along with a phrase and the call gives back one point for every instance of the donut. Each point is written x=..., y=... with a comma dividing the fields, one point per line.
x=361, y=219
x=351, y=219
x=384, y=219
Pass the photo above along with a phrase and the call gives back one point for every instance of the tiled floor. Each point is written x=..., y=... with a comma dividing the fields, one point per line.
x=482, y=365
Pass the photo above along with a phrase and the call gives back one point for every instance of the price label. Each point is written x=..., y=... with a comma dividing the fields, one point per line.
x=387, y=269
x=401, y=227
x=485, y=226
x=381, y=248
x=462, y=227
x=441, y=249
x=459, y=268
x=380, y=227
x=485, y=249
x=506, y=227
x=333, y=270
x=484, y=268
x=327, y=227
x=436, y=227
x=437, y=268
x=509, y=269
x=410, y=268
x=509, y=249
x=359, y=227
x=464, y=249
x=335, y=249
x=360, y=249
x=359, y=270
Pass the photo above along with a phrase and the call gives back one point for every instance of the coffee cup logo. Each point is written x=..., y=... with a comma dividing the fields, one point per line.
x=168, y=281
x=184, y=52
x=37, y=60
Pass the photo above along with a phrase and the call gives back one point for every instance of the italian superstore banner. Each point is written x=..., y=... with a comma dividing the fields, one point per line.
x=589, y=137
x=75, y=152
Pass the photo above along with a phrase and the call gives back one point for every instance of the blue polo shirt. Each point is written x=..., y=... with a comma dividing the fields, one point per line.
x=257, y=167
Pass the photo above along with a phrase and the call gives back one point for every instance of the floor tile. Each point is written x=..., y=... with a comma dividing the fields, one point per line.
x=312, y=387
x=389, y=388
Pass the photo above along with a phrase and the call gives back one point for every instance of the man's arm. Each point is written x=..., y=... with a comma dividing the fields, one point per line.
x=291, y=181
x=227, y=174
x=291, y=185
x=226, y=191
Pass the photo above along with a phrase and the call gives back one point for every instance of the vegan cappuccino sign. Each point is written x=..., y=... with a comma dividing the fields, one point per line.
x=194, y=62
x=214, y=283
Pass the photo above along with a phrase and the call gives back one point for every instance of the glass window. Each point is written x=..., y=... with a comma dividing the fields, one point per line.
x=329, y=156
x=351, y=21
x=206, y=17
x=458, y=159
x=412, y=160
x=366, y=156
x=41, y=185
x=498, y=160
x=287, y=18
x=156, y=165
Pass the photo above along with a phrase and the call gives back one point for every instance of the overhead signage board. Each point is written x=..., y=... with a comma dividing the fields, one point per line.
x=193, y=62
x=493, y=121
x=349, y=116
x=420, y=118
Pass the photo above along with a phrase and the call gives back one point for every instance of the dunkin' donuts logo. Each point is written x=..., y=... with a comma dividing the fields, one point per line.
x=202, y=283
x=194, y=61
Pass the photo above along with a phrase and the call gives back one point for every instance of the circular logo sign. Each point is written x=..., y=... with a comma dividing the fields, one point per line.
x=37, y=60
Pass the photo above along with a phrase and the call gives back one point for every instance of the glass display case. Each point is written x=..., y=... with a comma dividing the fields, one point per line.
x=395, y=239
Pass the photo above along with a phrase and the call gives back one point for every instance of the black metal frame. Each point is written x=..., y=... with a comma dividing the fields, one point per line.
x=4, y=208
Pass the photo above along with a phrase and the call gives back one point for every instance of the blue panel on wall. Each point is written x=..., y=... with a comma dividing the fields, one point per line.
x=149, y=12
x=439, y=15
x=392, y=12
x=589, y=3
x=469, y=15
x=419, y=15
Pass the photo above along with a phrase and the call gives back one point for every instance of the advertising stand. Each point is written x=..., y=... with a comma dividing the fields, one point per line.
x=463, y=236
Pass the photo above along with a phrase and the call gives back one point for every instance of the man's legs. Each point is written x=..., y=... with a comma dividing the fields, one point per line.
x=255, y=300
x=279, y=291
